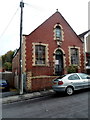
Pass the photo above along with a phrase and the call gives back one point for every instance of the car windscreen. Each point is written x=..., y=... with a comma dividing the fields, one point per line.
x=83, y=76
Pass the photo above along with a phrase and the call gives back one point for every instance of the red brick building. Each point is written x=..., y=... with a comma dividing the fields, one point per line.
x=48, y=51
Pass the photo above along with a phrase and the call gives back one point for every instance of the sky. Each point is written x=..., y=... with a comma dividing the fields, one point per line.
x=35, y=12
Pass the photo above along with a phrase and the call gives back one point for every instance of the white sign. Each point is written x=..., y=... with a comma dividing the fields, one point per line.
x=56, y=62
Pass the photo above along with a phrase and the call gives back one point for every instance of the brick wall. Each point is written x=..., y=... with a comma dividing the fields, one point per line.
x=40, y=83
x=15, y=63
x=45, y=34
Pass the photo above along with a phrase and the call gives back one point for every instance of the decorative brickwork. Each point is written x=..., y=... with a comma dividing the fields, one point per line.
x=24, y=55
x=35, y=66
x=29, y=82
x=64, y=58
x=62, y=33
x=46, y=52
x=79, y=53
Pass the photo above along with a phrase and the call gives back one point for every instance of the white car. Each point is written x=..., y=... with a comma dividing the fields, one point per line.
x=70, y=82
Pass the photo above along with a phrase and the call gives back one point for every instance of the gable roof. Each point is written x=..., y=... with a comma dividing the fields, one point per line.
x=57, y=12
x=71, y=27
x=84, y=33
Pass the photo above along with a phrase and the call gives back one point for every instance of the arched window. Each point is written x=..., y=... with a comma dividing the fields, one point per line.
x=58, y=33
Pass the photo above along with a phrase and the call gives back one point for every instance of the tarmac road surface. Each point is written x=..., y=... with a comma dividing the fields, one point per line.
x=54, y=106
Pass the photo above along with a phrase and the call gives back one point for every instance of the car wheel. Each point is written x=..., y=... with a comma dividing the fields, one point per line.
x=69, y=90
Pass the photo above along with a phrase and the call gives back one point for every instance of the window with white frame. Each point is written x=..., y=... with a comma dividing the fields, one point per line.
x=40, y=54
x=74, y=56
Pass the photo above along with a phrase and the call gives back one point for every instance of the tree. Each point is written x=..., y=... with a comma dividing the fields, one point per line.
x=7, y=66
x=7, y=60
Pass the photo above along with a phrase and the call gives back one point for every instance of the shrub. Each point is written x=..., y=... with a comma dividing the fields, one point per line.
x=72, y=69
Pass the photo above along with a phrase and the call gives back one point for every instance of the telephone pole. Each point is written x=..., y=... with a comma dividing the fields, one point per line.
x=20, y=58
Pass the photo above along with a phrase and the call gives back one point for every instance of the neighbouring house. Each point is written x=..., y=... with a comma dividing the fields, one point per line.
x=47, y=52
x=85, y=37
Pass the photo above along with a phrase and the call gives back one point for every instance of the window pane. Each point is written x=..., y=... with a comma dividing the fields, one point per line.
x=58, y=32
x=73, y=77
x=74, y=56
x=39, y=54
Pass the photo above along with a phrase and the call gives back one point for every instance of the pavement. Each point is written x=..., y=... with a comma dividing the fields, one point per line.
x=14, y=97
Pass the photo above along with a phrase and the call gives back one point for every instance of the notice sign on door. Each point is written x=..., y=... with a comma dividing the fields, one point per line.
x=56, y=62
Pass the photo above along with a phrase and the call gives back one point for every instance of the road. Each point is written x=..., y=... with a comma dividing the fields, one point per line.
x=54, y=106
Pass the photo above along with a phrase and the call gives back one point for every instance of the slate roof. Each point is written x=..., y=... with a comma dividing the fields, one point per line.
x=84, y=33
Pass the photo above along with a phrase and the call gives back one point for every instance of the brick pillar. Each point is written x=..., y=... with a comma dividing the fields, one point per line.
x=65, y=70
x=28, y=83
x=79, y=69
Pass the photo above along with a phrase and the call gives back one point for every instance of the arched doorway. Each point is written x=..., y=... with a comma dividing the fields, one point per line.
x=58, y=62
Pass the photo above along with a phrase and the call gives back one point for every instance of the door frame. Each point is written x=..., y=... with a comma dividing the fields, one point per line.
x=54, y=58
